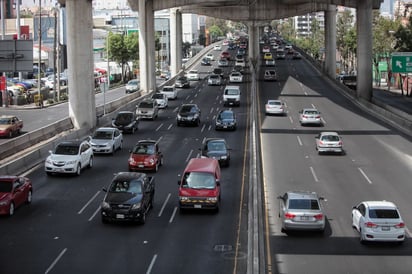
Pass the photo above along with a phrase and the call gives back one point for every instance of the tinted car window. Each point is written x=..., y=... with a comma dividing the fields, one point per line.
x=216, y=146
x=124, y=117
x=5, y=187
x=158, y=96
x=226, y=115
x=188, y=109
x=303, y=204
x=66, y=150
x=146, y=105
x=383, y=214
x=133, y=186
x=102, y=135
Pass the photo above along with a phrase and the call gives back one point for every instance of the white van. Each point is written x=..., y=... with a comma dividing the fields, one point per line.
x=170, y=92
x=231, y=96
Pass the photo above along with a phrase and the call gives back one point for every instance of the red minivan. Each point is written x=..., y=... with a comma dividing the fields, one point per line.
x=199, y=186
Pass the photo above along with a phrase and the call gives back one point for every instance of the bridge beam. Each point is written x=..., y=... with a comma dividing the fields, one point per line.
x=82, y=105
x=175, y=41
x=146, y=46
x=330, y=41
x=364, y=49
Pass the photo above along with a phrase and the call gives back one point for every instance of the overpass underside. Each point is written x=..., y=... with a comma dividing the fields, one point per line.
x=250, y=12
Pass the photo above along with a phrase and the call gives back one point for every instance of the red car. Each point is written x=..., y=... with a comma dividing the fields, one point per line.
x=225, y=54
x=145, y=155
x=14, y=191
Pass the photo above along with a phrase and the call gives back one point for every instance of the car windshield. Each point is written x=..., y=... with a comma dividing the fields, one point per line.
x=5, y=187
x=183, y=79
x=199, y=180
x=5, y=121
x=168, y=89
x=310, y=204
x=226, y=115
x=133, y=186
x=186, y=109
x=157, y=96
x=101, y=134
x=214, y=76
x=145, y=105
x=330, y=138
x=216, y=146
x=231, y=91
x=124, y=117
x=133, y=82
x=383, y=214
x=147, y=149
x=311, y=112
x=66, y=150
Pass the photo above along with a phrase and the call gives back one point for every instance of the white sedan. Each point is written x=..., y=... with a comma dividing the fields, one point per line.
x=106, y=140
x=236, y=77
x=329, y=141
x=275, y=107
x=378, y=221
x=193, y=75
x=310, y=116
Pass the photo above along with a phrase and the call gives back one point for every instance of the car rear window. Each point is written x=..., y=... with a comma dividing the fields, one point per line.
x=330, y=138
x=303, y=204
x=383, y=214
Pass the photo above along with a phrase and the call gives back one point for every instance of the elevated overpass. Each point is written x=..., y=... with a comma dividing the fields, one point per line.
x=252, y=12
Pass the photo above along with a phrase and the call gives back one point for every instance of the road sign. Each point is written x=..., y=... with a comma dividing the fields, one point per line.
x=402, y=62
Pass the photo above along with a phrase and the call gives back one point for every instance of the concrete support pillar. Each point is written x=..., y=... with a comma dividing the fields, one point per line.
x=253, y=43
x=364, y=49
x=79, y=25
x=330, y=41
x=175, y=41
x=143, y=44
x=151, y=50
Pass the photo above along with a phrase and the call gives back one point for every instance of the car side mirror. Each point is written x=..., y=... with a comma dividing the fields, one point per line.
x=280, y=197
x=354, y=207
x=217, y=182
x=322, y=198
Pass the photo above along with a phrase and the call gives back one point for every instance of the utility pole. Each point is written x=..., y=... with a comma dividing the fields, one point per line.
x=39, y=60
x=17, y=3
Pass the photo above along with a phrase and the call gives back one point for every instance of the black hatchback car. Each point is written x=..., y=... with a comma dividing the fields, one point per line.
x=126, y=121
x=128, y=198
x=182, y=82
x=188, y=114
x=226, y=120
x=216, y=148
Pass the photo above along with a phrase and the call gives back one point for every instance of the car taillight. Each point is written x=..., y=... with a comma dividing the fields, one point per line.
x=305, y=116
x=289, y=215
x=320, y=142
x=317, y=116
x=371, y=225
x=400, y=225
x=318, y=216
x=340, y=143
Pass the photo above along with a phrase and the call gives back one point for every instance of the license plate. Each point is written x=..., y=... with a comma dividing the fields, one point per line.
x=198, y=206
x=141, y=166
x=224, y=126
x=304, y=218
x=385, y=228
x=59, y=169
x=119, y=216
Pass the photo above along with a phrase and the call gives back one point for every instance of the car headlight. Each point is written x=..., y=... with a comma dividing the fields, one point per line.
x=71, y=162
x=48, y=161
x=213, y=199
x=151, y=161
x=131, y=161
x=136, y=206
x=105, y=205
x=179, y=117
x=3, y=203
x=224, y=157
x=183, y=198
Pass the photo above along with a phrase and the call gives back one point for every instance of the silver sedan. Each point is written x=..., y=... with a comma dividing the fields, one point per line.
x=310, y=116
x=329, y=141
x=301, y=210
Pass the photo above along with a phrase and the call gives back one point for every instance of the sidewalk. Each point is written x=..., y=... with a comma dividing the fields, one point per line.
x=393, y=98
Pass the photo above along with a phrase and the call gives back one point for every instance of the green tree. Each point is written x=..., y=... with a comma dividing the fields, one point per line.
x=123, y=49
x=346, y=38
x=403, y=37
x=214, y=32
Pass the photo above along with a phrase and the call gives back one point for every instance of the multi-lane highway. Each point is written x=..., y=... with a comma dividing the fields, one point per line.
x=377, y=165
x=61, y=231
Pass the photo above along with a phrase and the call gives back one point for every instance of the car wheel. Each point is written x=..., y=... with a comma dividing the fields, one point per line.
x=48, y=173
x=161, y=161
x=11, y=209
x=78, y=170
x=133, y=130
x=113, y=150
x=362, y=241
x=90, y=162
x=198, y=123
x=105, y=220
x=29, y=197
x=10, y=134
x=121, y=145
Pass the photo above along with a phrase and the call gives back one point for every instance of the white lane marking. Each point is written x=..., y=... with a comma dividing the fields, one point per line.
x=160, y=138
x=364, y=175
x=149, y=270
x=94, y=213
x=164, y=205
x=159, y=127
x=299, y=141
x=305, y=93
x=203, y=128
x=88, y=203
x=291, y=119
x=190, y=154
x=173, y=215
x=323, y=120
x=314, y=174
x=211, y=110
x=55, y=261
x=408, y=233
x=313, y=106
x=210, y=127
x=169, y=127
x=187, y=97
